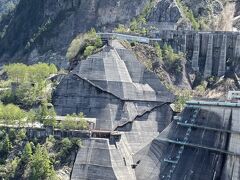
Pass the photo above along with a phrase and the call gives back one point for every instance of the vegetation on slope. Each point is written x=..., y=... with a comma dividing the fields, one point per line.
x=189, y=15
x=84, y=45
x=171, y=60
x=27, y=85
x=26, y=96
x=25, y=104
x=23, y=158
x=138, y=24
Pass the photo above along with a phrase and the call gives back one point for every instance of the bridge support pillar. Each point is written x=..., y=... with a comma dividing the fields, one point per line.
x=195, y=56
x=237, y=50
x=209, y=58
x=223, y=55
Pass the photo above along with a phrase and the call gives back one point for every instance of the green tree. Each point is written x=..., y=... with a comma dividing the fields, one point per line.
x=40, y=165
x=82, y=124
x=66, y=144
x=26, y=94
x=46, y=115
x=30, y=83
x=27, y=153
x=189, y=15
x=16, y=72
x=74, y=121
x=133, y=25
x=21, y=134
x=11, y=114
x=31, y=116
x=89, y=50
x=52, y=69
x=8, y=170
x=120, y=29
x=158, y=51
x=66, y=147
x=50, y=119
x=98, y=42
x=84, y=44
x=6, y=147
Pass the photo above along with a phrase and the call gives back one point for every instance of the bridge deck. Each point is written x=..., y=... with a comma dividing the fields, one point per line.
x=194, y=103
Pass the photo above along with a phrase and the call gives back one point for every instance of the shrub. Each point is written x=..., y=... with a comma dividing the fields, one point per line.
x=74, y=47
x=46, y=115
x=158, y=51
x=84, y=44
x=171, y=59
x=182, y=97
x=120, y=29
x=169, y=54
x=5, y=148
x=74, y=121
x=11, y=114
x=189, y=15
x=89, y=50
x=200, y=89
x=27, y=153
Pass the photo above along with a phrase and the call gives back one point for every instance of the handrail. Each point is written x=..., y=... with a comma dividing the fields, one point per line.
x=208, y=128
x=198, y=146
x=213, y=103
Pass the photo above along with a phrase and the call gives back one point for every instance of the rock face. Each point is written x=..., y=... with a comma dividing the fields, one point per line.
x=42, y=31
x=204, y=7
x=7, y=6
x=46, y=28
x=165, y=11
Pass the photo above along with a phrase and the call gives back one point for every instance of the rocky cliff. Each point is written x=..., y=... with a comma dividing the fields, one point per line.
x=43, y=29
x=7, y=6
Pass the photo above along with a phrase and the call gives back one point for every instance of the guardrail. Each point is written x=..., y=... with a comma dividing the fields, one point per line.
x=208, y=128
x=212, y=103
x=127, y=37
x=199, y=146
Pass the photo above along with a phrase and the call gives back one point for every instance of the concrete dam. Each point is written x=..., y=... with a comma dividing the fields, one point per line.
x=209, y=53
x=144, y=140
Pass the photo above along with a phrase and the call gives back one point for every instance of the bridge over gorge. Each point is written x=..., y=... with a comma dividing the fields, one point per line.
x=203, y=141
x=210, y=53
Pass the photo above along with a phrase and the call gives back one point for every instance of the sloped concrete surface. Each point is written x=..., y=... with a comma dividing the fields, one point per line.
x=111, y=86
x=116, y=89
x=165, y=160
x=93, y=161
x=123, y=96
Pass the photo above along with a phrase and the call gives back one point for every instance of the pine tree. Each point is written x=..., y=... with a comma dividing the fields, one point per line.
x=27, y=152
x=7, y=146
x=41, y=167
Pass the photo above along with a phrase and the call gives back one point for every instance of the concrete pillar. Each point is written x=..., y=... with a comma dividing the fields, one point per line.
x=184, y=43
x=237, y=49
x=209, y=58
x=223, y=56
x=195, y=56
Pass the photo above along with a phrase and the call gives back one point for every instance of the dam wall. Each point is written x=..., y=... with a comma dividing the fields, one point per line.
x=210, y=53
